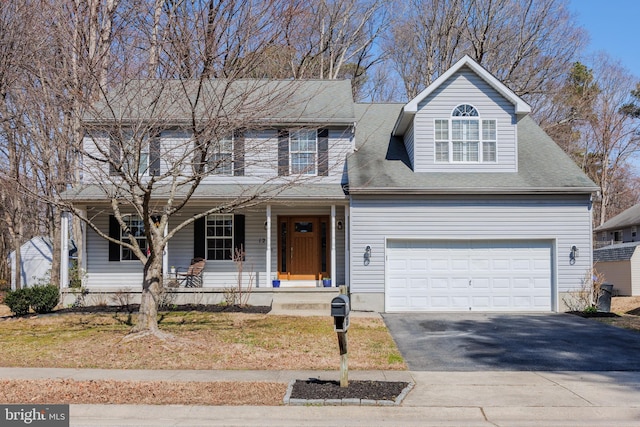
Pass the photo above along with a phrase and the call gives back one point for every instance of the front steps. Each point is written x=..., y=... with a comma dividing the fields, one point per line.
x=303, y=301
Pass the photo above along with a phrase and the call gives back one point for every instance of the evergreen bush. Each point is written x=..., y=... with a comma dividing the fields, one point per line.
x=18, y=301
x=44, y=298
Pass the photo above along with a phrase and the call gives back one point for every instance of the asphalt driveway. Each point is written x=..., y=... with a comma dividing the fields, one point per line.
x=512, y=342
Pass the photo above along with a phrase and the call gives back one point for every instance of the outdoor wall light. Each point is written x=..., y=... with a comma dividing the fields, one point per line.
x=367, y=255
x=265, y=225
x=575, y=252
x=339, y=224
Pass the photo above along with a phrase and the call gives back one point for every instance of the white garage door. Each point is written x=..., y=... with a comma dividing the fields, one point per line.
x=468, y=275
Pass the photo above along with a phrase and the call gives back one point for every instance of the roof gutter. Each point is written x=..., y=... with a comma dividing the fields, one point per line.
x=399, y=191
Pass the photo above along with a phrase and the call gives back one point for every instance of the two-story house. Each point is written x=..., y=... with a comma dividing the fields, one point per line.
x=616, y=253
x=455, y=200
x=622, y=228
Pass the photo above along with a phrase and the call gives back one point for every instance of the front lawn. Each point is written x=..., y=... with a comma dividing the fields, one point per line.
x=200, y=341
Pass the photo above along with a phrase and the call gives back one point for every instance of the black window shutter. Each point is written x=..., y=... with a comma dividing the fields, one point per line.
x=238, y=233
x=199, y=238
x=238, y=154
x=283, y=152
x=114, y=156
x=323, y=152
x=114, y=232
x=154, y=155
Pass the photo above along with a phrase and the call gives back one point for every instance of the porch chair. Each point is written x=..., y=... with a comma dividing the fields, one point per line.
x=193, y=277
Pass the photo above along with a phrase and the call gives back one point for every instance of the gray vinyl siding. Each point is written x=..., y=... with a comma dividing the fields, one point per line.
x=564, y=220
x=409, y=144
x=93, y=171
x=627, y=234
x=465, y=87
x=260, y=158
x=103, y=273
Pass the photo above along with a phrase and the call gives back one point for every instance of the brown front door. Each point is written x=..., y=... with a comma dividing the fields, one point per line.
x=303, y=247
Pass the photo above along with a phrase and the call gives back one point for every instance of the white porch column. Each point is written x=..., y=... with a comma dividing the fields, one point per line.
x=334, y=277
x=268, y=250
x=347, y=246
x=64, y=249
x=82, y=268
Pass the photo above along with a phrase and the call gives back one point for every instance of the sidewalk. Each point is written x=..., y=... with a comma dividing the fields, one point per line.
x=493, y=398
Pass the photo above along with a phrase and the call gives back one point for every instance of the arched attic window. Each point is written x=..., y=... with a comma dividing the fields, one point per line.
x=465, y=110
x=465, y=137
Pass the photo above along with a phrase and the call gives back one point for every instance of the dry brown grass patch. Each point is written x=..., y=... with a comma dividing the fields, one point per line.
x=628, y=311
x=64, y=391
x=201, y=341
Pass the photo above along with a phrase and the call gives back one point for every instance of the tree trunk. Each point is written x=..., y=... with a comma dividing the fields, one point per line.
x=56, y=245
x=151, y=289
x=17, y=267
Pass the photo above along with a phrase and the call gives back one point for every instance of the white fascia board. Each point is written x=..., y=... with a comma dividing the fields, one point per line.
x=411, y=108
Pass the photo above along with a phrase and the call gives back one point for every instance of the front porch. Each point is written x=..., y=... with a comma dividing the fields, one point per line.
x=315, y=300
x=298, y=244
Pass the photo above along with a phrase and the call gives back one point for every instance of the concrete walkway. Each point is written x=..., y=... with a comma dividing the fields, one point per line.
x=438, y=399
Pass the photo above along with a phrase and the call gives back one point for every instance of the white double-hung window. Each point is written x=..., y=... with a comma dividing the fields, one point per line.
x=465, y=137
x=221, y=159
x=134, y=226
x=303, y=151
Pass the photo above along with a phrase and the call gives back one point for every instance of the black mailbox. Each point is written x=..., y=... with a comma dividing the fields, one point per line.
x=340, y=312
x=340, y=306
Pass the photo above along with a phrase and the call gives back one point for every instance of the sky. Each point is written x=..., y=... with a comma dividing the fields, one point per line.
x=613, y=28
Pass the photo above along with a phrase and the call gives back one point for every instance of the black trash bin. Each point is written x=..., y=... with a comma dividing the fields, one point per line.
x=604, y=299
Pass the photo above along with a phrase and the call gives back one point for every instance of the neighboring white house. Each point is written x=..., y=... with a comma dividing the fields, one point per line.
x=455, y=201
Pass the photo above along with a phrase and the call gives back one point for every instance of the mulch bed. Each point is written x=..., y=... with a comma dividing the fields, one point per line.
x=133, y=308
x=587, y=314
x=371, y=390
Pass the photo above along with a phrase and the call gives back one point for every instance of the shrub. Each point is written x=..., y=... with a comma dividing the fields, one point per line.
x=18, y=301
x=43, y=299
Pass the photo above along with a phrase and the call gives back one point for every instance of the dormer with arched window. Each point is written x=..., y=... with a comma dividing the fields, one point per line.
x=465, y=121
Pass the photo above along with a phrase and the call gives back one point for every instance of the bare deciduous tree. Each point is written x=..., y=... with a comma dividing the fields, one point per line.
x=610, y=136
x=122, y=124
x=524, y=43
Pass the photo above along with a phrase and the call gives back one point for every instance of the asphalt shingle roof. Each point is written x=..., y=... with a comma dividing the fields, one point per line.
x=381, y=163
x=252, y=100
x=624, y=219
x=619, y=252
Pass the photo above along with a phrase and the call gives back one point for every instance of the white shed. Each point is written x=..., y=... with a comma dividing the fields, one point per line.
x=36, y=256
x=620, y=266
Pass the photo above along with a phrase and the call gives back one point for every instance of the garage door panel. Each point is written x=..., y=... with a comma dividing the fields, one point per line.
x=481, y=284
x=522, y=283
x=418, y=283
x=440, y=302
x=460, y=302
x=501, y=301
x=439, y=283
x=470, y=275
x=481, y=302
x=459, y=264
x=439, y=264
x=501, y=283
x=459, y=283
